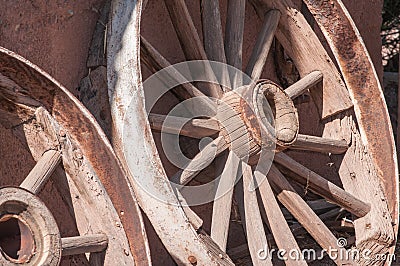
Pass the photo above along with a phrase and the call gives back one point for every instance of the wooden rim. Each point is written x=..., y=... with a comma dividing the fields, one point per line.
x=87, y=163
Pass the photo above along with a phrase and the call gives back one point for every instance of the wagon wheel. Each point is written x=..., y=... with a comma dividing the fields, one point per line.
x=347, y=140
x=62, y=191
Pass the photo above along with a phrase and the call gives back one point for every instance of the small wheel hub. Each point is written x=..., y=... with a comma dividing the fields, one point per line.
x=32, y=236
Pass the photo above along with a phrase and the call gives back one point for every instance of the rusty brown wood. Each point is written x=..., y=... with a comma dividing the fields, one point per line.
x=190, y=41
x=365, y=90
x=69, y=112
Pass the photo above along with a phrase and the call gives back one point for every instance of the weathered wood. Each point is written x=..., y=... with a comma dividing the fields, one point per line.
x=286, y=117
x=212, y=31
x=185, y=29
x=123, y=66
x=276, y=220
x=234, y=38
x=302, y=212
x=79, y=185
x=156, y=62
x=298, y=230
x=365, y=91
x=256, y=237
x=223, y=202
x=304, y=84
x=212, y=35
x=83, y=244
x=375, y=231
x=15, y=106
x=96, y=56
x=398, y=112
x=93, y=94
x=323, y=187
x=97, y=258
x=38, y=226
x=200, y=161
x=93, y=91
x=190, y=41
x=11, y=91
x=42, y=171
x=318, y=144
x=263, y=44
x=304, y=48
x=195, y=128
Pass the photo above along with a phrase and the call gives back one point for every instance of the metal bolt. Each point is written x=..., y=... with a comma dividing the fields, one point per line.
x=62, y=133
x=78, y=154
x=192, y=260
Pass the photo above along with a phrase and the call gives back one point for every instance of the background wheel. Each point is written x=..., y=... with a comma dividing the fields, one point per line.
x=70, y=196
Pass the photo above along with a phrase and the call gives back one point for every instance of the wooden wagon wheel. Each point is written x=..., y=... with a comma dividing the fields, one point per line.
x=88, y=205
x=367, y=185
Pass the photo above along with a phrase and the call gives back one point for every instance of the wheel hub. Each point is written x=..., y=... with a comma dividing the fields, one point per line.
x=252, y=119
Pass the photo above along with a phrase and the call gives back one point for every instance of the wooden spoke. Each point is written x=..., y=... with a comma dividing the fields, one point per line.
x=304, y=84
x=276, y=220
x=192, y=217
x=254, y=226
x=301, y=211
x=263, y=45
x=212, y=35
x=212, y=31
x=195, y=128
x=318, y=206
x=318, y=144
x=200, y=161
x=234, y=36
x=155, y=62
x=323, y=187
x=42, y=171
x=185, y=29
x=190, y=40
x=96, y=56
x=84, y=244
x=302, y=45
x=152, y=58
x=223, y=202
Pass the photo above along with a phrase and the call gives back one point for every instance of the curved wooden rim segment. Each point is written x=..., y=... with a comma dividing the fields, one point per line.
x=365, y=90
x=81, y=125
x=307, y=52
x=169, y=219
